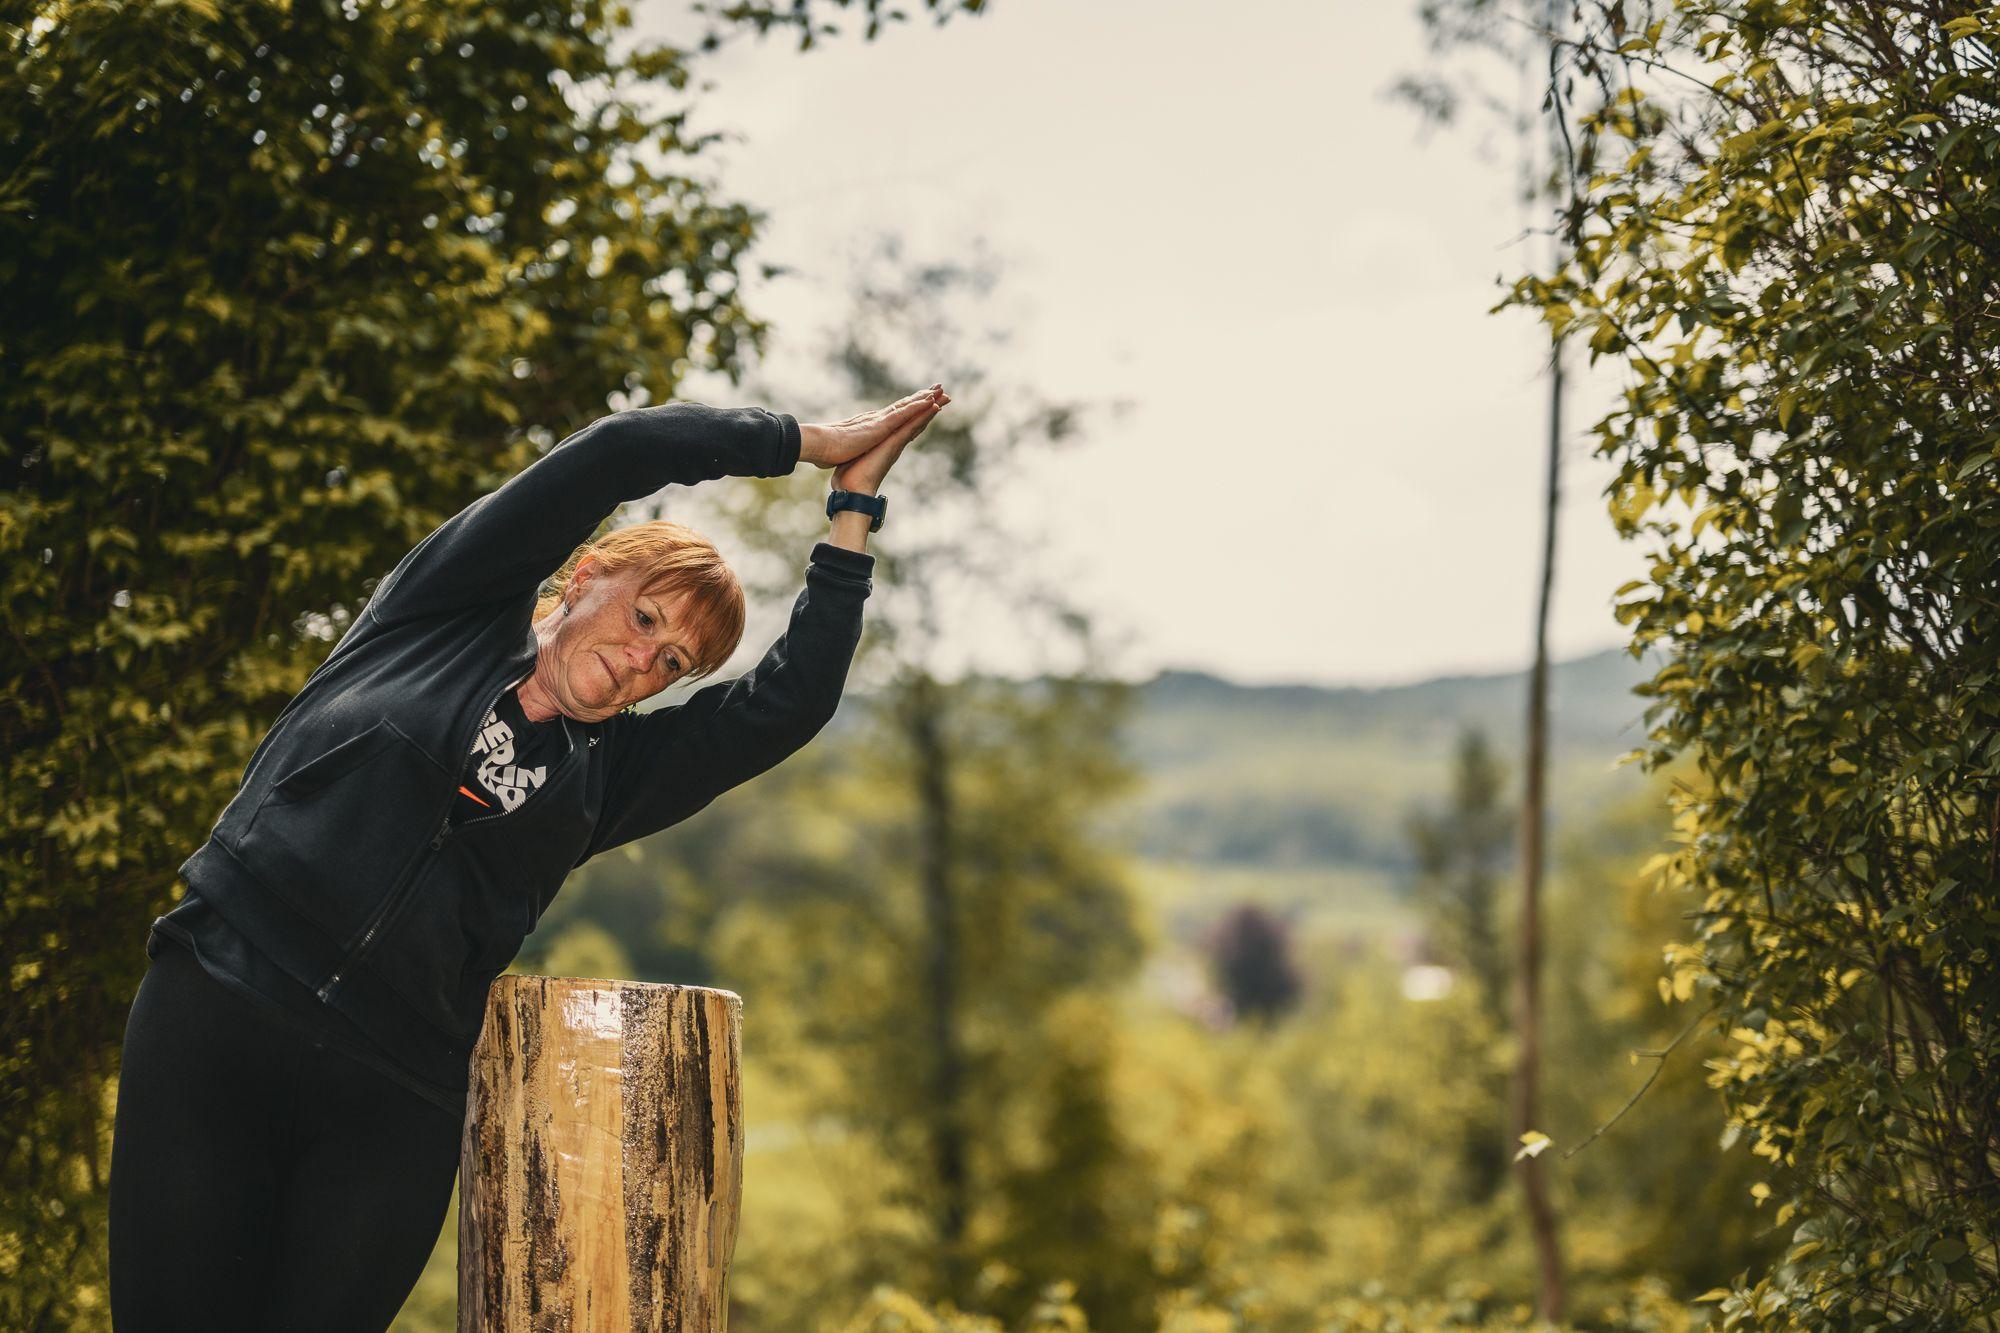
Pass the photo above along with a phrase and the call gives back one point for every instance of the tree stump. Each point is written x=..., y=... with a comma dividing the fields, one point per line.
x=601, y=1171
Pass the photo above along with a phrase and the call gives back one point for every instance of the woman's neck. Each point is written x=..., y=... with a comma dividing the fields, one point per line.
x=537, y=705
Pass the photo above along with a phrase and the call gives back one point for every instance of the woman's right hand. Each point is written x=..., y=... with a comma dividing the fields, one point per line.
x=839, y=442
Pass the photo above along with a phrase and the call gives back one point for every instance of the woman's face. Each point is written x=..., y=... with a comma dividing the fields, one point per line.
x=614, y=644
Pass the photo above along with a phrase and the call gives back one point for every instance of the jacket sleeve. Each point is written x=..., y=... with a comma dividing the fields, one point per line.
x=506, y=543
x=667, y=764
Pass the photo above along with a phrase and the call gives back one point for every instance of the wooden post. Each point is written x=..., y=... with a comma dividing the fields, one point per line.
x=602, y=1166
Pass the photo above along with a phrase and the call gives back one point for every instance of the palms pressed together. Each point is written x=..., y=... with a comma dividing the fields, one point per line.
x=862, y=448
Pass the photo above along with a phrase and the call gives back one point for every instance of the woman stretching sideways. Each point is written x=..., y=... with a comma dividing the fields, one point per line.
x=295, y=1065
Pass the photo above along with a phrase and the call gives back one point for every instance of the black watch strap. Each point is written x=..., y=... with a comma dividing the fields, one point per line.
x=875, y=506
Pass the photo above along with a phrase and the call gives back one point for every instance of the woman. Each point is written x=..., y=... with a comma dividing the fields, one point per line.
x=295, y=1063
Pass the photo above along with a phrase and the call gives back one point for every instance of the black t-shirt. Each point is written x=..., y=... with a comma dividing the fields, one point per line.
x=510, y=759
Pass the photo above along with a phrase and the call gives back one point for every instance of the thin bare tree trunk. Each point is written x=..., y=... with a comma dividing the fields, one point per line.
x=1527, y=1078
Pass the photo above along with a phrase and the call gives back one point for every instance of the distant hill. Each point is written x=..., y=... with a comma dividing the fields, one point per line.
x=1304, y=776
x=1322, y=778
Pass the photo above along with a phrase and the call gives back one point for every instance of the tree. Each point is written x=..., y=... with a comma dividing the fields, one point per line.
x=978, y=892
x=1249, y=953
x=1788, y=239
x=732, y=17
x=287, y=284
x=1549, y=178
x=1460, y=855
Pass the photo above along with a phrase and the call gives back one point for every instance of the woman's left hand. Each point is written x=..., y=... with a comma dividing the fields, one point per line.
x=839, y=442
x=864, y=474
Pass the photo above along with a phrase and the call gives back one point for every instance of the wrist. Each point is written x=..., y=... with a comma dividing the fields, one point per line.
x=812, y=445
x=850, y=530
x=875, y=507
x=854, y=514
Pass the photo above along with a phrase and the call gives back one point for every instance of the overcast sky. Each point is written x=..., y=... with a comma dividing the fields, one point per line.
x=1332, y=467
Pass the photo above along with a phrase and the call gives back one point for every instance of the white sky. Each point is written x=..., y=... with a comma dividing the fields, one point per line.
x=1332, y=469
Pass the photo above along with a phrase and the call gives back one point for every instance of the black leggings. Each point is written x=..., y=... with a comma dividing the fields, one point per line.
x=260, y=1180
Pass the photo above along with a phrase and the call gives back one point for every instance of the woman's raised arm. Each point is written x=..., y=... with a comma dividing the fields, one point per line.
x=507, y=542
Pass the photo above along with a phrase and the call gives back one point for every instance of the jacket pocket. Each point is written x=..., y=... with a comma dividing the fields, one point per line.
x=310, y=776
x=334, y=836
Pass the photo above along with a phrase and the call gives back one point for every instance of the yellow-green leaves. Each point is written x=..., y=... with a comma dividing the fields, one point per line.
x=263, y=291
x=1795, y=249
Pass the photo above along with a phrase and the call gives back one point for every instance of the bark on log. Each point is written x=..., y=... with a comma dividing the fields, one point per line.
x=601, y=1172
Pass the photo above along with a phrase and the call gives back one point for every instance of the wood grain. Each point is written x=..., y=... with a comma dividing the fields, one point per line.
x=601, y=1172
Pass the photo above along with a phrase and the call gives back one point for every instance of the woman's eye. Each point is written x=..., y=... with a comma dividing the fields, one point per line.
x=645, y=621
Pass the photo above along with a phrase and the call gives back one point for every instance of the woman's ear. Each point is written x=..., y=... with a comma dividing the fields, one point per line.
x=579, y=578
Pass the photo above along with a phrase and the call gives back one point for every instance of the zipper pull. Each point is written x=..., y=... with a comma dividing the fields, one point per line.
x=444, y=832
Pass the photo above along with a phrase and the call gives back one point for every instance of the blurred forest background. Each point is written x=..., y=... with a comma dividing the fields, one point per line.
x=1075, y=1002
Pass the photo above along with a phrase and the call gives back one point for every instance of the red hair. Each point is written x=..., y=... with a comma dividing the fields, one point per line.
x=675, y=559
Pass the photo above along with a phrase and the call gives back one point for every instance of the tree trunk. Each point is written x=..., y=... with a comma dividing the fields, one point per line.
x=1527, y=1078
x=601, y=1171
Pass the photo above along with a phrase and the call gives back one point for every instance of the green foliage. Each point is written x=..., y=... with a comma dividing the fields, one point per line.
x=834, y=958
x=1640, y=1134
x=891, y=1310
x=1080, y=1208
x=1463, y=854
x=1648, y=1308
x=286, y=285
x=1304, y=1167
x=1178, y=1176
x=1007, y=918
x=1793, y=254
x=1286, y=1171
x=763, y=15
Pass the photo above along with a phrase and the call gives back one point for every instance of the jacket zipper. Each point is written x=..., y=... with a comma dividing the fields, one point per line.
x=448, y=832
x=394, y=898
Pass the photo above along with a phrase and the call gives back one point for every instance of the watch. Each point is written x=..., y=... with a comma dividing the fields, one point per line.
x=873, y=505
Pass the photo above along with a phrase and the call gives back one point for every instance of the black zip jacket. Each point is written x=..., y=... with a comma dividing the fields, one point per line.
x=337, y=859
